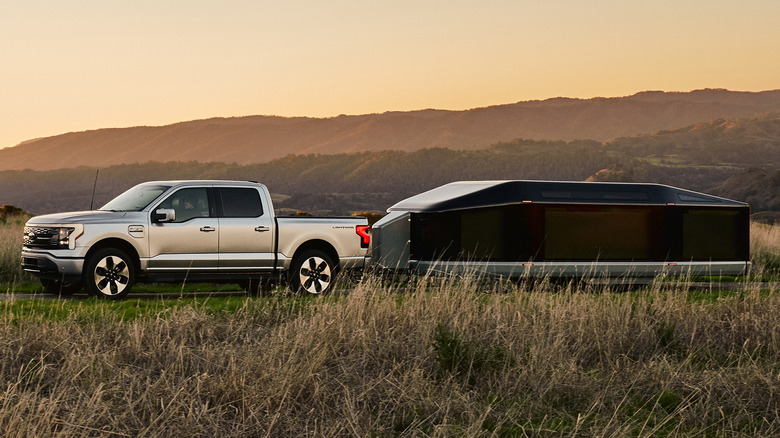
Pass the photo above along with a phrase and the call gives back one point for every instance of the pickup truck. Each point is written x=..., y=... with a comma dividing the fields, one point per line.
x=167, y=231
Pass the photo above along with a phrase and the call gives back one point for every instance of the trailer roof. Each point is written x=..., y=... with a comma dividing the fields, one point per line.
x=475, y=194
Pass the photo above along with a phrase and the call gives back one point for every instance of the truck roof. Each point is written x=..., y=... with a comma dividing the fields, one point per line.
x=476, y=194
x=202, y=182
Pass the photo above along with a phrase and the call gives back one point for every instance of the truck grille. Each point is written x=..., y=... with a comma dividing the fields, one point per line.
x=40, y=237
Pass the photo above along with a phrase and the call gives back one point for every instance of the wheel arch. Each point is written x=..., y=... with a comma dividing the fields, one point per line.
x=320, y=245
x=120, y=244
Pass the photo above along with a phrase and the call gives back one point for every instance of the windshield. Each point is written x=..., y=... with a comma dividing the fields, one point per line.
x=135, y=199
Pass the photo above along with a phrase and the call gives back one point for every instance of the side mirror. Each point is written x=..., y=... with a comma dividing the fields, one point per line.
x=164, y=215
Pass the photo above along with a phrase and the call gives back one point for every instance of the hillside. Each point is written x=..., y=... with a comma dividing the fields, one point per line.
x=322, y=184
x=736, y=158
x=750, y=142
x=760, y=188
x=260, y=139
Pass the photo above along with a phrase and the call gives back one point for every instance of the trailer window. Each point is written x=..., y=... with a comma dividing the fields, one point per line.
x=597, y=233
x=711, y=234
x=594, y=195
x=473, y=235
x=481, y=234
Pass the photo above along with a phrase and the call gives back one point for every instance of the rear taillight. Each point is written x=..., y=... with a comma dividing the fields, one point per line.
x=364, y=231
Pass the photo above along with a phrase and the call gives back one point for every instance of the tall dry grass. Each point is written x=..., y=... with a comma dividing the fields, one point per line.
x=451, y=357
x=765, y=248
x=11, y=229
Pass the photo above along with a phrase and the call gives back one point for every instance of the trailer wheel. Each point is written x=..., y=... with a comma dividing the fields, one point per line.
x=59, y=287
x=109, y=273
x=312, y=272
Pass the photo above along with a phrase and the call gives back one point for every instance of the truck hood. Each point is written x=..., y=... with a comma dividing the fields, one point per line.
x=87, y=217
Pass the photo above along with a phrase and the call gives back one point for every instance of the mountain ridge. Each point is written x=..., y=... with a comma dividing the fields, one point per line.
x=258, y=139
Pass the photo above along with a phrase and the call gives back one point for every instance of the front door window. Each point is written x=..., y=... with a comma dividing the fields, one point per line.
x=188, y=204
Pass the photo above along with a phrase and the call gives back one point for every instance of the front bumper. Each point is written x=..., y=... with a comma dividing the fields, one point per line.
x=47, y=265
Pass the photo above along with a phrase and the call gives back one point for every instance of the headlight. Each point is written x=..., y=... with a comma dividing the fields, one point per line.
x=64, y=236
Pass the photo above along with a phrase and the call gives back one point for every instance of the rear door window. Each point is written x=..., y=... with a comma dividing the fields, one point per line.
x=240, y=202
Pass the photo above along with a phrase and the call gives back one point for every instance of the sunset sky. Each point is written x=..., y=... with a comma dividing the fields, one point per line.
x=79, y=65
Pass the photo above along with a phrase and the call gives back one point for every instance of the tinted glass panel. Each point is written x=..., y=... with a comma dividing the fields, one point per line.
x=527, y=232
x=135, y=199
x=686, y=197
x=496, y=234
x=188, y=204
x=712, y=234
x=434, y=236
x=595, y=196
x=597, y=233
x=241, y=202
x=481, y=234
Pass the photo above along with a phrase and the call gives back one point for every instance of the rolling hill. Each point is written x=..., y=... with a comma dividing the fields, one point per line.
x=261, y=139
x=736, y=158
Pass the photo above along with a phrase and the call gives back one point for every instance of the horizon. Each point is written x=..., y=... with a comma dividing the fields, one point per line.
x=384, y=112
x=93, y=65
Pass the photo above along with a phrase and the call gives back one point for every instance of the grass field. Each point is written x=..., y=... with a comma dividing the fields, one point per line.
x=449, y=357
x=452, y=357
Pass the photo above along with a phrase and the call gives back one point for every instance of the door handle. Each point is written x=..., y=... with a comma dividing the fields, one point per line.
x=207, y=229
x=261, y=228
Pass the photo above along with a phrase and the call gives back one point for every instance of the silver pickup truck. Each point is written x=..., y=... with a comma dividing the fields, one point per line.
x=195, y=230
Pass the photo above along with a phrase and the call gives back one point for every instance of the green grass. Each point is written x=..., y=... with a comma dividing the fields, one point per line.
x=35, y=287
x=94, y=309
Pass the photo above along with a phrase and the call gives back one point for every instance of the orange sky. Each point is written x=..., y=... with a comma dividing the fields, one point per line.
x=78, y=65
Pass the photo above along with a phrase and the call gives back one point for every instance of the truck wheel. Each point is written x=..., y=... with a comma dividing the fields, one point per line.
x=59, y=287
x=109, y=273
x=312, y=272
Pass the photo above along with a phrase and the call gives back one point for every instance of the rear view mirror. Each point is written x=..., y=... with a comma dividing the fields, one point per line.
x=164, y=215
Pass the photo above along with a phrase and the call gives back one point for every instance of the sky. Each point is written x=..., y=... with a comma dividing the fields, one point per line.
x=79, y=65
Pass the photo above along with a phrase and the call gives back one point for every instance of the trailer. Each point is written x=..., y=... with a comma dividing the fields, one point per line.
x=564, y=229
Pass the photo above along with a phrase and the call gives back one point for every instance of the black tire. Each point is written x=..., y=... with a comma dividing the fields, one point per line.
x=60, y=288
x=312, y=272
x=109, y=273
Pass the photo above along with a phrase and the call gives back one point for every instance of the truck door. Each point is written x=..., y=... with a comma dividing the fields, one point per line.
x=191, y=240
x=246, y=230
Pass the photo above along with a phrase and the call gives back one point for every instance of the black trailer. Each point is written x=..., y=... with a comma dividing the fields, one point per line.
x=564, y=229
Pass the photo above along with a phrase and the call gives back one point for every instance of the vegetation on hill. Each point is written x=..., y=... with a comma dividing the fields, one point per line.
x=338, y=184
x=749, y=142
x=760, y=188
x=711, y=157
x=8, y=212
